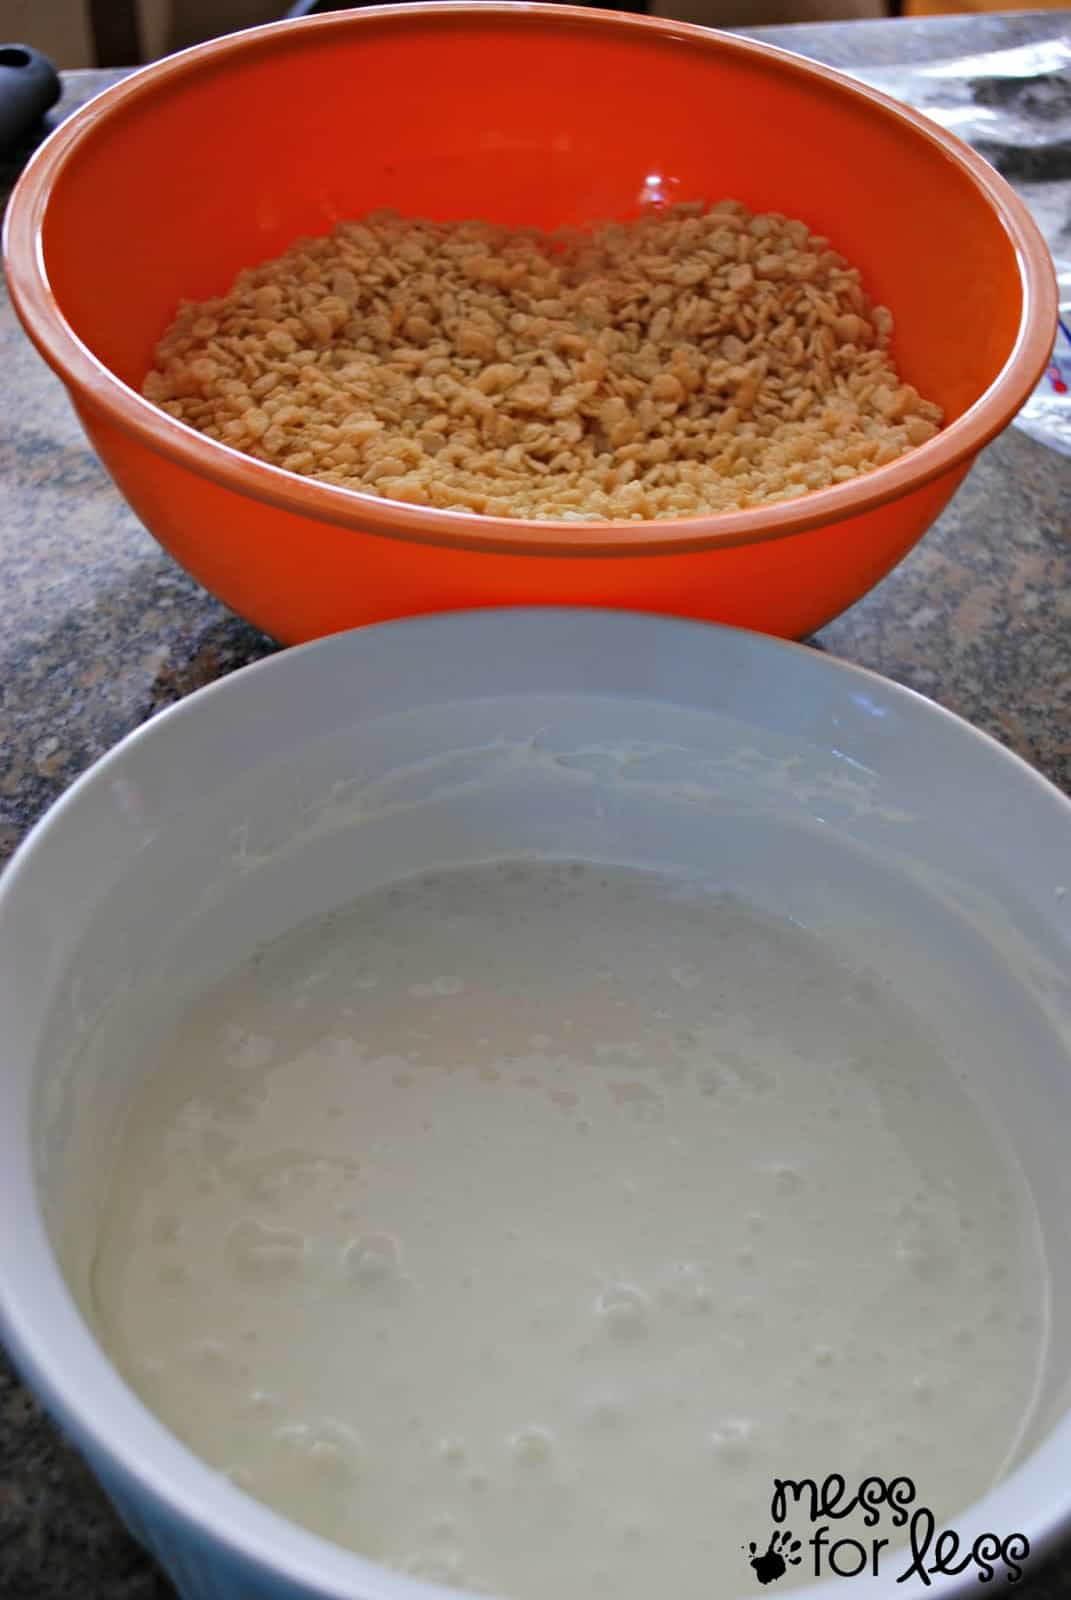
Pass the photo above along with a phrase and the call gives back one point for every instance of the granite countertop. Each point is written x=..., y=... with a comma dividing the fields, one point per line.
x=102, y=629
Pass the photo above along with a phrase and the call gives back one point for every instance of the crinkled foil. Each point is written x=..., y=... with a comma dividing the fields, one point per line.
x=1014, y=106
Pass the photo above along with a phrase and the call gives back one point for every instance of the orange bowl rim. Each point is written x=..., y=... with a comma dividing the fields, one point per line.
x=92, y=383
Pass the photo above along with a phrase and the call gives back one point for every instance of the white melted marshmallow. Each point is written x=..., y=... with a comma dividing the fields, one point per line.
x=520, y=1225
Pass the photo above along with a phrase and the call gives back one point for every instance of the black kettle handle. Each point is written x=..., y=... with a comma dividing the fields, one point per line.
x=29, y=86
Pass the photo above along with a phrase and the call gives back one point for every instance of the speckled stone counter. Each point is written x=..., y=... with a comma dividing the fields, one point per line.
x=101, y=629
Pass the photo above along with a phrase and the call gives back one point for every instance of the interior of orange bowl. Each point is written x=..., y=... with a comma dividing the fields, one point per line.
x=520, y=118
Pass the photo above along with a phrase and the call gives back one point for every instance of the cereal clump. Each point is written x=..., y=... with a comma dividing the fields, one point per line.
x=696, y=360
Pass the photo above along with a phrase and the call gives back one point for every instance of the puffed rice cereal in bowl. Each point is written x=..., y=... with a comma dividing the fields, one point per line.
x=696, y=360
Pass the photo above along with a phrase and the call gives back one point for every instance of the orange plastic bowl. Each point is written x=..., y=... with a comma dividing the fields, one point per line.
x=206, y=162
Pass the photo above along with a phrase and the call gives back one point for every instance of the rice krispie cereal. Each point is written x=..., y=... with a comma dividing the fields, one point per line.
x=700, y=359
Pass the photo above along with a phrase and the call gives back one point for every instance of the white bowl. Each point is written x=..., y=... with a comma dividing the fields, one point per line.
x=813, y=788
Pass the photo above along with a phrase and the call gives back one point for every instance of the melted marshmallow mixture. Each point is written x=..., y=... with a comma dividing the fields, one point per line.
x=518, y=1226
